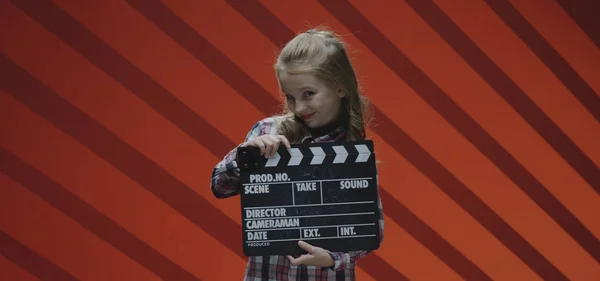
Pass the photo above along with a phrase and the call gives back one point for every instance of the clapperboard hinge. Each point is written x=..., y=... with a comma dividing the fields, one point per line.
x=338, y=155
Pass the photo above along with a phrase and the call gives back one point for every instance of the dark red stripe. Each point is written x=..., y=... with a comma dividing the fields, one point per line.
x=42, y=100
x=518, y=99
x=504, y=86
x=29, y=260
x=165, y=19
x=116, y=66
x=398, y=62
x=384, y=270
x=419, y=230
x=266, y=22
x=585, y=14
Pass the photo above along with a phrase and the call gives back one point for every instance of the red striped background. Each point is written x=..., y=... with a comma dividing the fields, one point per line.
x=113, y=114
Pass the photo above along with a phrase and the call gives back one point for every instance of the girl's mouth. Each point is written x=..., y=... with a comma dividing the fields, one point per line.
x=307, y=116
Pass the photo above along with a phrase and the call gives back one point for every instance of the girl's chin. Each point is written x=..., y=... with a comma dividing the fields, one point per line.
x=311, y=125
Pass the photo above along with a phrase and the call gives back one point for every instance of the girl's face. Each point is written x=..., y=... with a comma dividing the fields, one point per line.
x=311, y=99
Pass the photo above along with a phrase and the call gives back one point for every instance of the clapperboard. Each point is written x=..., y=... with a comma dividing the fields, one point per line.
x=321, y=193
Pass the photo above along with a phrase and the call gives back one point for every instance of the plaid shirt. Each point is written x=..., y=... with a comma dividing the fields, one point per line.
x=225, y=183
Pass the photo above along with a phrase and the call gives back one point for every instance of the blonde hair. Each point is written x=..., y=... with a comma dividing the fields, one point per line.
x=322, y=53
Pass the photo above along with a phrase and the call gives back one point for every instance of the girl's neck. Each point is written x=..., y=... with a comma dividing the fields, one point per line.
x=321, y=131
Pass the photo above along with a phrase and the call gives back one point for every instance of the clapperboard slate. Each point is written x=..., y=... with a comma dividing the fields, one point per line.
x=321, y=193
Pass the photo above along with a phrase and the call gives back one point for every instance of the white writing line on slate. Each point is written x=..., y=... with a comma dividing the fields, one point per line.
x=310, y=205
x=306, y=239
x=287, y=182
x=322, y=226
x=312, y=216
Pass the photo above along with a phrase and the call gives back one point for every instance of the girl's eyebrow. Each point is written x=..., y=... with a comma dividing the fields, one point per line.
x=306, y=87
x=301, y=89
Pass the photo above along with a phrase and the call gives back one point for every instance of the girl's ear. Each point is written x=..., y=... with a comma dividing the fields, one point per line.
x=341, y=93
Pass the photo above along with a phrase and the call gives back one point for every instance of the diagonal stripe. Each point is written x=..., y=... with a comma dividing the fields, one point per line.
x=556, y=63
x=26, y=89
x=585, y=14
x=430, y=239
x=529, y=110
x=562, y=32
x=11, y=271
x=384, y=270
x=116, y=66
x=532, y=114
x=159, y=14
x=265, y=21
x=29, y=260
x=276, y=31
x=90, y=218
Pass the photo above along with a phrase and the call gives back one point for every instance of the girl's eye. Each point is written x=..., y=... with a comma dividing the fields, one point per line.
x=308, y=94
x=289, y=97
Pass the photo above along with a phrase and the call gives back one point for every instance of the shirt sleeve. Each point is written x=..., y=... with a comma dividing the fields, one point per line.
x=225, y=179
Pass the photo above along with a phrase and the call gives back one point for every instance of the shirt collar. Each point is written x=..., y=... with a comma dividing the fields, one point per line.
x=335, y=135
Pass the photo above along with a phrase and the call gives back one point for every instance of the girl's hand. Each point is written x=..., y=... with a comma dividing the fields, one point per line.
x=316, y=256
x=268, y=144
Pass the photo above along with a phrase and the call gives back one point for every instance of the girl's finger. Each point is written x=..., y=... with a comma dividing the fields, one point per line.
x=260, y=144
x=307, y=247
x=276, y=143
x=268, y=146
x=285, y=141
x=304, y=259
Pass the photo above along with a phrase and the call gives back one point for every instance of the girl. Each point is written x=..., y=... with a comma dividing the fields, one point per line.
x=323, y=103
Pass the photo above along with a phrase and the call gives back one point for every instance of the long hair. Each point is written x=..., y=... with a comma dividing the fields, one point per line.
x=322, y=53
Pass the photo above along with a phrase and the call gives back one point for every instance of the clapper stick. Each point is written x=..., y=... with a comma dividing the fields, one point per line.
x=322, y=193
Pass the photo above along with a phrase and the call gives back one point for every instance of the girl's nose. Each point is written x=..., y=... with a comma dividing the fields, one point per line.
x=300, y=107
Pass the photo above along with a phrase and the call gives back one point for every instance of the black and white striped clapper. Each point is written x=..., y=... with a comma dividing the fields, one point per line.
x=321, y=193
